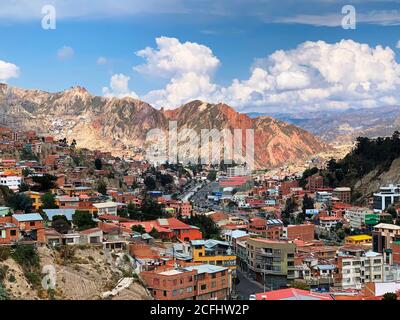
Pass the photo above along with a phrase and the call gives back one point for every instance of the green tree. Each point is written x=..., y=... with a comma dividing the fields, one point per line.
x=206, y=225
x=212, y=175
x=138, y=228
x=49, y=201
x=23, y=187
x=19, y=202
x=61, y=224
x=150, y=183
x=392, y=211
x=389, y=296
x=134, y=212
x=98, y=164
x=154, y=233
x=102, y=187
x=150, y=209
x=44, y=183
x=83, y=220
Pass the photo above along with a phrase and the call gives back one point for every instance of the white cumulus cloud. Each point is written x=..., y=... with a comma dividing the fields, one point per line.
x=7, y=71
x=313, y=76
x=65, y=53
x=119, y=87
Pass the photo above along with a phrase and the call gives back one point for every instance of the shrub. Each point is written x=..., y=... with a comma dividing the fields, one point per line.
x=4, y=253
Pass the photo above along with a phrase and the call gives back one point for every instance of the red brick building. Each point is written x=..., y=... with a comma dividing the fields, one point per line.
x=303, y=232
x=171, y=284
x=315, y=182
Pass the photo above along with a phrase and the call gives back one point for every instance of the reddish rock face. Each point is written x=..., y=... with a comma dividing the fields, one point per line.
x=118, y=125
x=275, y=142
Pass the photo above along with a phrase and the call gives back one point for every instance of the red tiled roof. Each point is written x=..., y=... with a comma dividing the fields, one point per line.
x=89, y=231
x=292, y=294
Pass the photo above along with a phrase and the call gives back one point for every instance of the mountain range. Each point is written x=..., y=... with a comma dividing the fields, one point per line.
x=346, y=125
x=120, y=125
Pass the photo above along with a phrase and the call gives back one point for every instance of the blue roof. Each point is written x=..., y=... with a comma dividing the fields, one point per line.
x=238, y=234
x=212, y=243
x=206, y=268
x=68, y=213
x=197, y=242
x=28, y=217
x=326, y=267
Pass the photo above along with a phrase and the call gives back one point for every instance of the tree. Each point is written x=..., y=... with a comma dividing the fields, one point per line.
x=44, y=183
x=19, y=202
x=26, y=172
x=290, y=207
x=150, y=209
x=134, y=212
x=150, y=183
x=98, y=164
x=123, y=213
x=138, y=228
x=60, y=224
x=102, y=187
x=392, y=211
x=308, y=203
x=212, y=175
x=389, y=296
x=23, y=187
x=83, y=220
x=154, y=233
x=49, y=201
x=206, y=225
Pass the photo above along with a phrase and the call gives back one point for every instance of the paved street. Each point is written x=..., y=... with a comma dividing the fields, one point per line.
x=247, y=286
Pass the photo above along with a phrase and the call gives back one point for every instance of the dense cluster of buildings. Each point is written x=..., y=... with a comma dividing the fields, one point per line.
x=332, y=247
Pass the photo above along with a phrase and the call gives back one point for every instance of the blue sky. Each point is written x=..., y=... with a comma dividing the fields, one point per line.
x=236, y=33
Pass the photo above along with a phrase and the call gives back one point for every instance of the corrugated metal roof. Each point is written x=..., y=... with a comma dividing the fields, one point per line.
x=68, y=213
x=206, y=268
x=28, y=217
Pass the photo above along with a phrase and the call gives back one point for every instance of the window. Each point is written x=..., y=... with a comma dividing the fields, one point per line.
x=203, y=287
x=165, y=293
x=32, y=223
x=213, y=284
x=189, y=289
x=174, y=293
x=13, y=232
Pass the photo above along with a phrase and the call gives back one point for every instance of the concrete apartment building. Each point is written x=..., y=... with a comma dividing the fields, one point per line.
x=383, y=236
x=212, y=282
x=343, y=194
x=357, y=217
x=356, y=266
x=385, y=197
x=270, y=257
x=196, y=282
x=171, y=284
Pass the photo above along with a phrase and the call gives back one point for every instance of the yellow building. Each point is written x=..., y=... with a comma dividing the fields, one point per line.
x=35, y=197
x=213, y=252
x=359, y=239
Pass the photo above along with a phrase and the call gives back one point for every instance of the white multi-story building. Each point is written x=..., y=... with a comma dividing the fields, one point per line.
x=385, y=197
x=237, y=171
x=356, y=216
x=355, y=268
x=12, y=182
